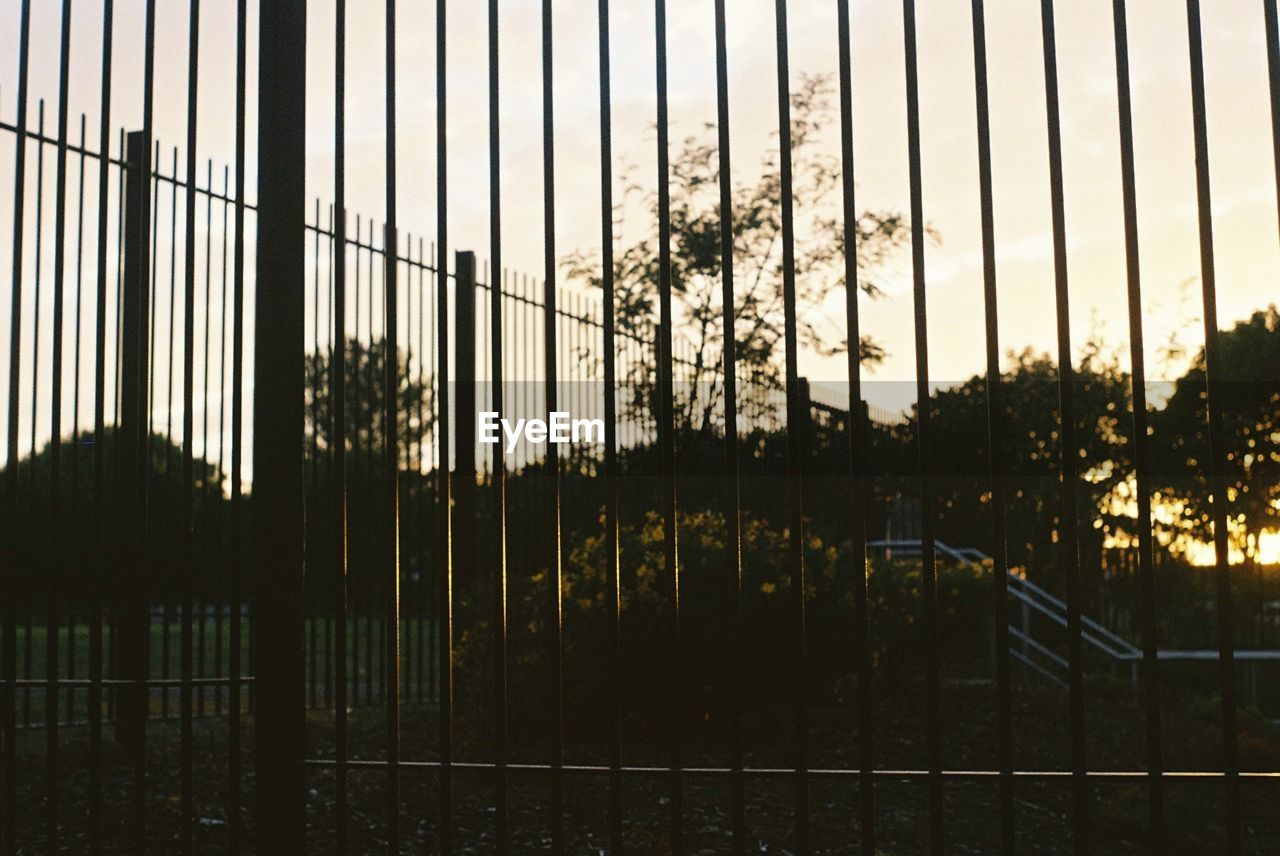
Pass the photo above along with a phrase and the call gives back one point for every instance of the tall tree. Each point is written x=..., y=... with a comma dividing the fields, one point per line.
x=1250, y=401
x=757, y=231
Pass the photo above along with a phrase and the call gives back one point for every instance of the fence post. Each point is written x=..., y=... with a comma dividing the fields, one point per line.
x=465, y=383
x=464, y=412
x=278, y=457
x=132, y=618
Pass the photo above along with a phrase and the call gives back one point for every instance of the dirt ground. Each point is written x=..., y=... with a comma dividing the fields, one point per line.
x=971, y=809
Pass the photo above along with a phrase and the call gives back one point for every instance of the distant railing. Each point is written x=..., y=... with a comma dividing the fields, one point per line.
x=1039, y=657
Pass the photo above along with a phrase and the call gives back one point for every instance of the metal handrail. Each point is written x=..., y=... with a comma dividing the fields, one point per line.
x=1055, y=608
x=1031, y=642
x=1131, y=653
x=1126, y=648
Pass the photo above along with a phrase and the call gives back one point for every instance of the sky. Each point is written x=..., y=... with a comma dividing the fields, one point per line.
x=1241, y=157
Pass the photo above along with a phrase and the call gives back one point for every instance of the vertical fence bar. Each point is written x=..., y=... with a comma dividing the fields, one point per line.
x=130, y=652
x=115, y=368
x=278, y=424
x=797, y=416
x=1141, y=453
x=1066, y=398
x=391, y=445
x=553, y=454
x=328, y=592
x=464, y=423
x=611, y=438
x=170, y=587
x=358, y=412
x=1218, y=466
x=313, y=453
x=151, y=353
x=1272, y=31
x=133, y=600
x=99, y=442
x=421, y=546
x=498, y=405
x=29, y=630
x=733, y=503
x=220, y=550
x=995, y=435
x=9, y=811
x=339, y=409
x=933, y=726
x=465, y=349
x=188, y=428
x=370, y=389
x=578, y=359
x=207, y=483
x=858, y=439
x=56, y=553
x=430, y=598
x=666, y=432
x=929, y=572
x=408, y=537
x=444, y=496
x=76, y=611
x=363, y=414
x=234, y=666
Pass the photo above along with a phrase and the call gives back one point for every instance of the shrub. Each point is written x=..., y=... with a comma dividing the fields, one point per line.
x=707, y=625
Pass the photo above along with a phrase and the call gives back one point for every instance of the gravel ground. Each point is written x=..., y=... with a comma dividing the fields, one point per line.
x=1043, y=809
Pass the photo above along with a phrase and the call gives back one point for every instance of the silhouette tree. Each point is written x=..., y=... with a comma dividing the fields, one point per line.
x=365, y=412
x=1248, y=393
x=757, y=241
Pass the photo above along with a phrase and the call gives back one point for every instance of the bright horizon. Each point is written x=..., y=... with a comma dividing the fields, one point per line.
x=1241, y=161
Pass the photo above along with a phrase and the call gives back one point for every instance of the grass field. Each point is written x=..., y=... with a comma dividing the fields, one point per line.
x=211, y=657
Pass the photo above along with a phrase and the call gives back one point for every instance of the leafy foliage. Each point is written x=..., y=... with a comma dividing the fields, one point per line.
x=1249, y=400
x=707, y=607
x=365, y=411
x=696, y=273
x=1248, y=393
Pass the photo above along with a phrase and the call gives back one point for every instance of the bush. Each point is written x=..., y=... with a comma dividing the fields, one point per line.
x=707, y=625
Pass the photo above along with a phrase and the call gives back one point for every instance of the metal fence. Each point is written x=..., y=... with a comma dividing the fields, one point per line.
x=169, y=579
x=523, y=309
